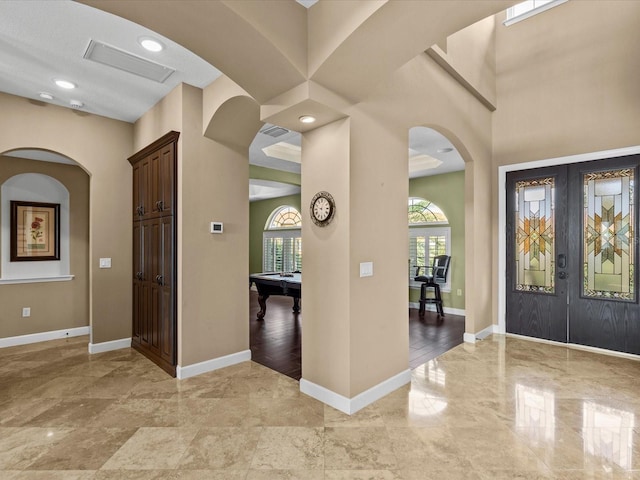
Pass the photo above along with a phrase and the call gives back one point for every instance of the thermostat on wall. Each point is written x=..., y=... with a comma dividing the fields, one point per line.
x=216, y=227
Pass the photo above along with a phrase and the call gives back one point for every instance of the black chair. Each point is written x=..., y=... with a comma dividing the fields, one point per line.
x=436, y=275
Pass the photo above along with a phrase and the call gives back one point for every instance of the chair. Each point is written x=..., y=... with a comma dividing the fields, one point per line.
x=436, y=276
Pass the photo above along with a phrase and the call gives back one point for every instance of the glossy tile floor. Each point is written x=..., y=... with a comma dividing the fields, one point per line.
x=502, y=409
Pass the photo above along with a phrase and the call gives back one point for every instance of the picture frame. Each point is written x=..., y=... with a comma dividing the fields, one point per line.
x=35, y=231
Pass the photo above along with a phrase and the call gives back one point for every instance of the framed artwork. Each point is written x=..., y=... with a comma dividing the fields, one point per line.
x=35, y=231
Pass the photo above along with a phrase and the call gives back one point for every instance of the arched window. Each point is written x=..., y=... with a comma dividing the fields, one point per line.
x=284, y=217
x=423, y=211
x=282, y=241
x=429, y=235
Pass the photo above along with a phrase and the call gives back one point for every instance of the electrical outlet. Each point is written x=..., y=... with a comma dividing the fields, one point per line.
x=459, y=292
x=26, y=312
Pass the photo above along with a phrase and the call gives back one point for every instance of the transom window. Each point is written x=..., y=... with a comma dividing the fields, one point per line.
x=529, y=8
x=422, y=212
x=282, y=241
x=429, y=236
x=284, y=217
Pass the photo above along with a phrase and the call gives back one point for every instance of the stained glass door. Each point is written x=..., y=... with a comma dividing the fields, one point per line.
x=603, y=299
x=536, y=253
x=572, y=249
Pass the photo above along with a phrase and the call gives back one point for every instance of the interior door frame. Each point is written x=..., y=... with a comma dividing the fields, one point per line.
x=501, y=327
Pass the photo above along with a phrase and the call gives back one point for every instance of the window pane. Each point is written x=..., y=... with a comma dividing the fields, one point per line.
x=535, y=235
x=285, y=217
x=608, y=235
x=426, y=243
x=423, y=211
x=437, y=246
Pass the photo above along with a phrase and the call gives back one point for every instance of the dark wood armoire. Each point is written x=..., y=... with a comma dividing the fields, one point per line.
x=154, y=330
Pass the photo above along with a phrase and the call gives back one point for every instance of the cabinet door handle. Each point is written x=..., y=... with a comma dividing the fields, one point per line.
x=160, y=205
x=139, y=275
x=159, y=280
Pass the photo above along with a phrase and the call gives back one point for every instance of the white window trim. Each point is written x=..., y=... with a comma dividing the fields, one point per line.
x=424, y=231
x=530, y=13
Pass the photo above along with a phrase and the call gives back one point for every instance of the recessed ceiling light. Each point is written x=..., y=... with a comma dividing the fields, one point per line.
x=307, y=119
x=46, y=95
x=65, y=84
x=445, y=150
x=151, y=44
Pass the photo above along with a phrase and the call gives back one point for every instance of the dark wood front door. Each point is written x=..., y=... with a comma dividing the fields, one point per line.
x=571, y=254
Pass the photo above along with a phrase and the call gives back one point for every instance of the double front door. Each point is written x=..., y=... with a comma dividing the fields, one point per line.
x=572, y=250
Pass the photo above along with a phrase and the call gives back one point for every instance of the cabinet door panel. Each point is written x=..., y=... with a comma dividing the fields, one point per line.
x=137, y=272
x=143, y=322
x=168, y=168
x=155, y=166
x=137, y=191
x=167, y=326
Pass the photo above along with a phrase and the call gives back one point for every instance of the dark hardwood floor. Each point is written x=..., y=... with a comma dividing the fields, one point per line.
x=275, y=342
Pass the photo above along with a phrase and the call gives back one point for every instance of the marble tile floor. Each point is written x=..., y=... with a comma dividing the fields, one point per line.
x=501, y=409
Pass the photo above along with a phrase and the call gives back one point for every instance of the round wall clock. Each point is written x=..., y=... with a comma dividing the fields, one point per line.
x=322, y=208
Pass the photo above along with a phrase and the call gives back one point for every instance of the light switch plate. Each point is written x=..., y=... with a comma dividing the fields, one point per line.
x=366, y=269
x=105, y=263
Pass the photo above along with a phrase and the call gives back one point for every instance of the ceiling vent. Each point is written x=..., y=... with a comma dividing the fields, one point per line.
x=273, y=130
x=116, y=58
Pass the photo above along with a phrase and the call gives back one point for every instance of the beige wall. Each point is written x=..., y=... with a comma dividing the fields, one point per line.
x=421, y=93
x=326, y=342
x=101, y=146
x=48, y=313
x=213, y=185
x=567, y=84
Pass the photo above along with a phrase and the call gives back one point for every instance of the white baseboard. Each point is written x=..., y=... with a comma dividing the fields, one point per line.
x=213, y=364
x=109, y=346
x=575, y=346
x=469, y=338
x=481, y=335
x=43, y=336
x=352, y=405
x=432, y=308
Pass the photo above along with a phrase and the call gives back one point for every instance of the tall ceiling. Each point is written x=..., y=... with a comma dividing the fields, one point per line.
x=42, y=40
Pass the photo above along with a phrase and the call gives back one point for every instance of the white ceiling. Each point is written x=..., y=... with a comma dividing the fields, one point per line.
x=43, y=40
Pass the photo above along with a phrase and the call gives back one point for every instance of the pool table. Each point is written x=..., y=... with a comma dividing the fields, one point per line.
x=275, y=283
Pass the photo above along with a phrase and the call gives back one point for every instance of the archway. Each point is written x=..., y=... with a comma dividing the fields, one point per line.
x=32, y=288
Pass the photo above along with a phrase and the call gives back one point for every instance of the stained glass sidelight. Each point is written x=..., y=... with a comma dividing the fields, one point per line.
x=535, y=235
x=608, y=235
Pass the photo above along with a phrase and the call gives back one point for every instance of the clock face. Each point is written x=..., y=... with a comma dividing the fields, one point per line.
x=322, y=208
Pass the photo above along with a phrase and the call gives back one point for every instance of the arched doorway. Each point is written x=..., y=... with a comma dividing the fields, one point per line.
x=44, y=182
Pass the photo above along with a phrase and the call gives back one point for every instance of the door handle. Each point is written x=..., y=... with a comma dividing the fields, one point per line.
x=562, y=261
x=159, y=280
